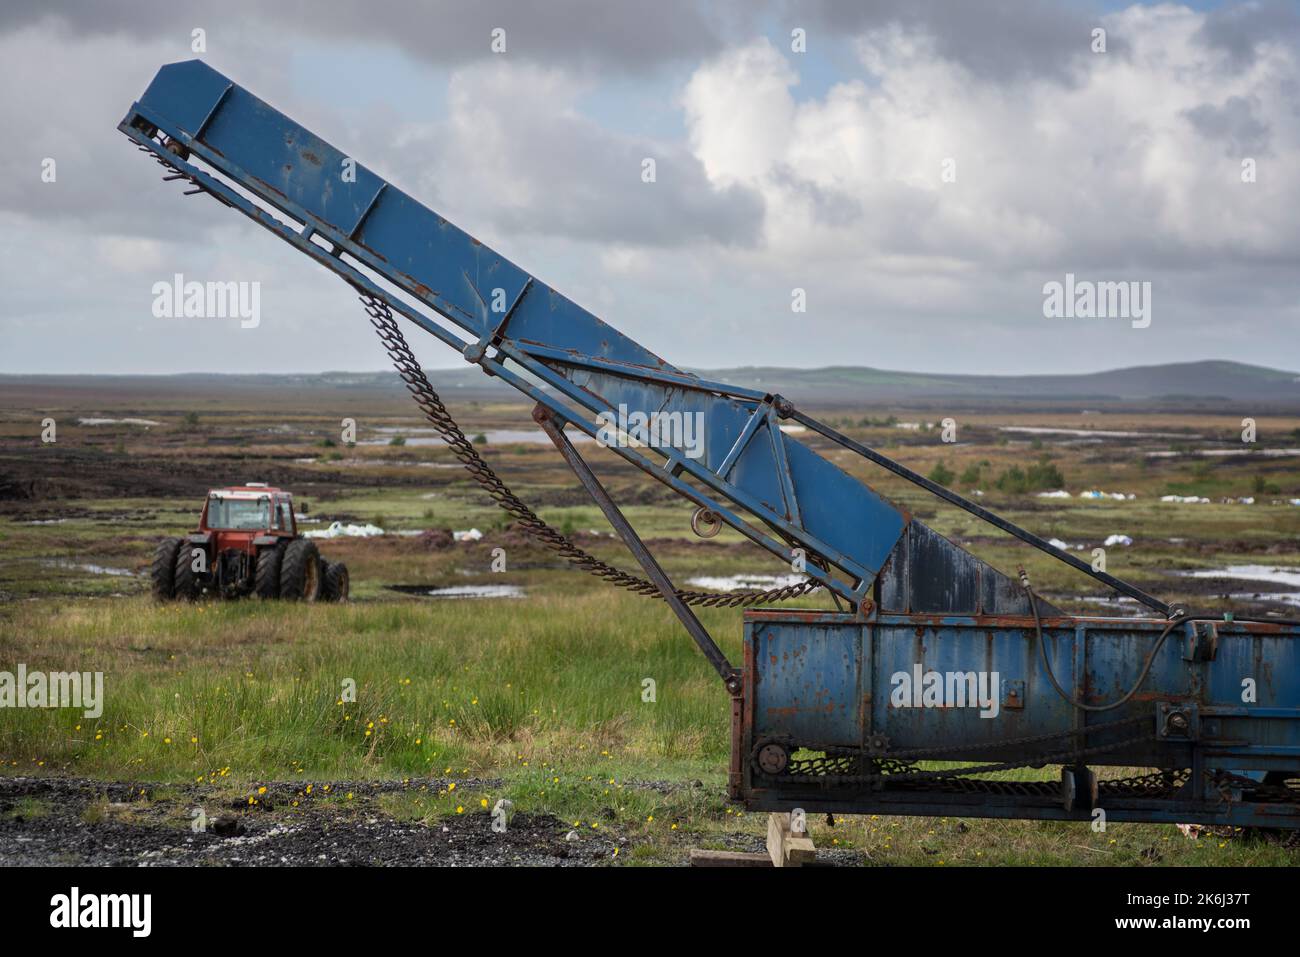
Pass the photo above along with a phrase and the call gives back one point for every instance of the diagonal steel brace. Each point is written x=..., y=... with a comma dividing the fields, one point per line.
x=547, y=419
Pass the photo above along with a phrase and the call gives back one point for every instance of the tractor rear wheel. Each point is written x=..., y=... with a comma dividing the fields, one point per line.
x=162, y=572
x=300, y=577
x=185, y=579
x=266, y=575
x=335, y=587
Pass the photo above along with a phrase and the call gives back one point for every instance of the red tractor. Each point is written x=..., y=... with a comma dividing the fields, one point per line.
x=247, y=544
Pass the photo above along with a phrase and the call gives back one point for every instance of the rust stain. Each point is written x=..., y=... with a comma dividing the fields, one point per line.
x=268, y=186
x=783, y=712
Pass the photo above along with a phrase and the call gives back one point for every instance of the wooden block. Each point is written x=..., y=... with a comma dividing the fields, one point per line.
x=800, y=851
x=703, y=858
x=776, y=839
x=787, y=848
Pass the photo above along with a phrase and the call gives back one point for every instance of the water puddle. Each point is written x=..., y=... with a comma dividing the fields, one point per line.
x=1267, y=453
x=1245, y=574
x=424, y=436
x=457, y=592
x=94, y=421
x=1095, y=433
x=745, y=582
x=1120, y=606
x=88, y=567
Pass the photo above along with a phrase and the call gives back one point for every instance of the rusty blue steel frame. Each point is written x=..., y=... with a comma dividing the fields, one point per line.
x=915, y=596
x=820, y=680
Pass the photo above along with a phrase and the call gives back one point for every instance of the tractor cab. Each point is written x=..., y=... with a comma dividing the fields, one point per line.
x=252, y=508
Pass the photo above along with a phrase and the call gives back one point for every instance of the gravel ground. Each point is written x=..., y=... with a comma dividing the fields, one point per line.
x=45, y=821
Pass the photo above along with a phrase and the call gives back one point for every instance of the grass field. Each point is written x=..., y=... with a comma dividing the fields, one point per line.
x=537, y=699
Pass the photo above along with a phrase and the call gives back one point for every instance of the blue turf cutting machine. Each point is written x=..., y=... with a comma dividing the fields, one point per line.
x=936, y=680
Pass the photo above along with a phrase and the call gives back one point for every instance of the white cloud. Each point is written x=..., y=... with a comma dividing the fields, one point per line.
x=740, y=113
x=516, y=152
x=1105, y=171
x=1117, y=166
x=1103, y=174
x=130, y=254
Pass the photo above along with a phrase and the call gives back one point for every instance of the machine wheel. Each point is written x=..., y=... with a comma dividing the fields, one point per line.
x=335, y=585
x=185, y=580
x=705, y=523
x=773, y=758
x=163, y=571
x=266, y=574
x=300, y=577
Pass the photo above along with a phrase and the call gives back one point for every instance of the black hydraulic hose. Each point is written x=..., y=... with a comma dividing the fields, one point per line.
x=1051, y=676
x=1151, y=655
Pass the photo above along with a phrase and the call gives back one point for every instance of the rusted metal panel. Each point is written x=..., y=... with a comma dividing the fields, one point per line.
x=945, y=578
x=809, y=686
x=927, y=573
x=807, y=669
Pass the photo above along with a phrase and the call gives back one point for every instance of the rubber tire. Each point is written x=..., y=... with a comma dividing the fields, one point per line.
x=266, y=575
x=336, y=582
x=184, y=579
x=162, y=573
x=300, y=574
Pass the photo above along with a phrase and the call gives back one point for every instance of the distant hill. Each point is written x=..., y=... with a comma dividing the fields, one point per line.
x=1173, y=386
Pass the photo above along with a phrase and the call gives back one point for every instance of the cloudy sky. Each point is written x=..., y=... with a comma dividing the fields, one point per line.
x=920, y=170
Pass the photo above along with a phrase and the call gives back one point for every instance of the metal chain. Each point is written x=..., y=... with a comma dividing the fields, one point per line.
x=899, y=764
x=1059, y=757
x=1155, y=785
x=944, y=774
x=381, y=317
x=833, y=767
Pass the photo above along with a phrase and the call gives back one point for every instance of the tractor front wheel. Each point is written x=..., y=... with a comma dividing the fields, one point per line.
x=162, y=573
x=266, y=574
x=184, y=578
x=336, y=582
x=300, y=577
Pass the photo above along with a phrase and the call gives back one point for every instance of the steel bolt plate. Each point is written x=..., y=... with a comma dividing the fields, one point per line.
x=773, y=758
